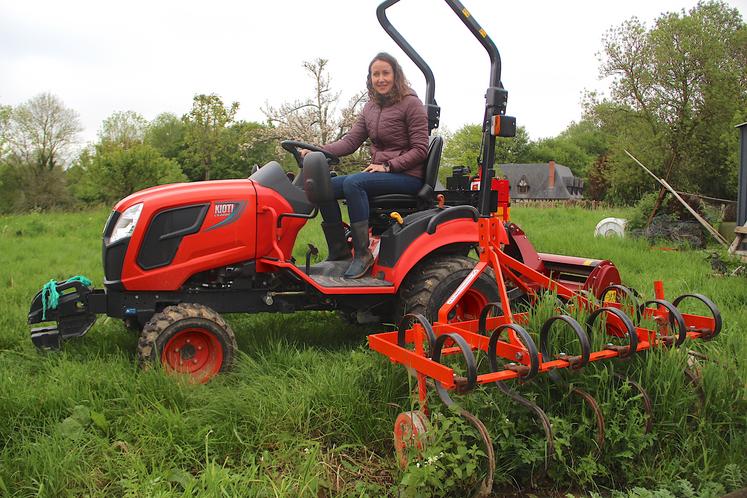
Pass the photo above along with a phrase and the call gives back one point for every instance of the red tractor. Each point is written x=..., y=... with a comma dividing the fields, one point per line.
x=177, y=257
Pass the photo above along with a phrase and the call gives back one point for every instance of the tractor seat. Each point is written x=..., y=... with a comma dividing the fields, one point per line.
x=381, y=206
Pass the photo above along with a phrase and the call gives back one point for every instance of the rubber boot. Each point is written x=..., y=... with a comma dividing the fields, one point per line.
x=336, y=242
x=363, y=260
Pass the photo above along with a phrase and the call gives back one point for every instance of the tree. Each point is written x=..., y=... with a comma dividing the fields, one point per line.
x=579, y=147
x=38, y=138
x=316, y=119
x=116, y=172
x=678, y=89
x=463, y=147
x=166, y=134
x=42, y=132
x=123, y=129
x=206, y=124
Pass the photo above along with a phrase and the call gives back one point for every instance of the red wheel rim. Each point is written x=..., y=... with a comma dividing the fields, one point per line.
x=468, y=307
x=196, y=352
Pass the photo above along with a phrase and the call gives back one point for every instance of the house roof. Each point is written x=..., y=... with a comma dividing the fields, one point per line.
x=532, y=181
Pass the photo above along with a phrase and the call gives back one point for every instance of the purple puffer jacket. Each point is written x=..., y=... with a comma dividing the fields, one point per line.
x=398, y=133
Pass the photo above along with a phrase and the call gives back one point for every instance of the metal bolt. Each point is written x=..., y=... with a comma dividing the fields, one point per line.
x=181, y=363
x=194, y=361
x=176, y=350
x=519, y=356
x=199, y=348
x=188, y=341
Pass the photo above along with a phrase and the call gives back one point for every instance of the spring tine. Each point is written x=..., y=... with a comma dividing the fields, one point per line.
x=540, y=414
x=594, y=405
x=487, y=483
x=647, y=404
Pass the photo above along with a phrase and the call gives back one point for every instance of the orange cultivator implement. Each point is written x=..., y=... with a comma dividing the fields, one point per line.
x=501, y=335
x=615, y=324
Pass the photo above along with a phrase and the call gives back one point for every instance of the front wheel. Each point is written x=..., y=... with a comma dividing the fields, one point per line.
x=189, y=339
x=432, y=282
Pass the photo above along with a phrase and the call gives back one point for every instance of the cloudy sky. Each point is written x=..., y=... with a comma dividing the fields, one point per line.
x=153, y=56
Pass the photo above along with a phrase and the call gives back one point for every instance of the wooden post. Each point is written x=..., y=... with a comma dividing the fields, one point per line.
x=700, y=219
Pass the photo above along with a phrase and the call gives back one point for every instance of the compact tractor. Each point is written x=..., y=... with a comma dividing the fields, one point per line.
x=178, y=257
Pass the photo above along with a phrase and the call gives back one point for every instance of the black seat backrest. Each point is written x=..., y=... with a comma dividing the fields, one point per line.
x=433, y=160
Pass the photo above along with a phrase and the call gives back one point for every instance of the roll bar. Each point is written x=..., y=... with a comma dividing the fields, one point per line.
x=495, y=122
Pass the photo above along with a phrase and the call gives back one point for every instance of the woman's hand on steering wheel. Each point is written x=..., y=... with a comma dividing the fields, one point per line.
x=300, y=149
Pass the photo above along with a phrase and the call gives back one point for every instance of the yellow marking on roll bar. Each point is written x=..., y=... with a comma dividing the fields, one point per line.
x=588, y=262
x=483, y=33
x=465, y=12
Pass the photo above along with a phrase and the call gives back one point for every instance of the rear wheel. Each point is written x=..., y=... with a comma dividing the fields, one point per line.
x=433, y=281
x=190, y=339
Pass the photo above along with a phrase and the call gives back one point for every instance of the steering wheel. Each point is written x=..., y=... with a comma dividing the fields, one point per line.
x=293, y=147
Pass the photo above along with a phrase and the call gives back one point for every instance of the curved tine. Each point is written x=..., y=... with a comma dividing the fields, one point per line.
x=674, y=316
x=583, y=339
x=539, y=413
x=647, y=404
x=717, y=322
x=469, y=359
x=484, y=316
x=632, y=347
x=423, y=321
x=487, y=482
x=594, y=405
x=694, y=378
x=526, y=339
x=627, y=291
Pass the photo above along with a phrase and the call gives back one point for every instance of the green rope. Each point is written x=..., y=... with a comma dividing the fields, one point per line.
x=50, y=296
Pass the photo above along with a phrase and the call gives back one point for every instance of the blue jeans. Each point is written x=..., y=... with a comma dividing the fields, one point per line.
x=357, y=187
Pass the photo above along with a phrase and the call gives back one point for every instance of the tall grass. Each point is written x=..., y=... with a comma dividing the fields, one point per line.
x=309, y=409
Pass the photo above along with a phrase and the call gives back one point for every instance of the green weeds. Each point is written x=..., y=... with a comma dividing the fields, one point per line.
x=309, y=409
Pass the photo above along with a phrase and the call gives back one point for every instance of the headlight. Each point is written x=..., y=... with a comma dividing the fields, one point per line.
x=126, y=223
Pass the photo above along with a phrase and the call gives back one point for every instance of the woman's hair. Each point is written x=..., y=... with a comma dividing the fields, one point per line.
x=400, y=88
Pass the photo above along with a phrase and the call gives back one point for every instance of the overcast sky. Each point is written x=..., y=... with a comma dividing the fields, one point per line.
x=152, y=56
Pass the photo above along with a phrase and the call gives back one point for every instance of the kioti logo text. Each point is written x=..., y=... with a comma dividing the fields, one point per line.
x=224, y=209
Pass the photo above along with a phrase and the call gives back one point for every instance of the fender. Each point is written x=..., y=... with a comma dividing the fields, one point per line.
x=458, y=233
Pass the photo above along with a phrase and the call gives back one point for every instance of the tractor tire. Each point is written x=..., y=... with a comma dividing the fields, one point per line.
x=432, y=282
x=190, y=339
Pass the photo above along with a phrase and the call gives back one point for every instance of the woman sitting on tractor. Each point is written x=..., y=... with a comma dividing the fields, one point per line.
x=395, y=120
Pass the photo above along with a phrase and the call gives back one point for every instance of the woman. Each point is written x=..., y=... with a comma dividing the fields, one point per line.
x=394, y=119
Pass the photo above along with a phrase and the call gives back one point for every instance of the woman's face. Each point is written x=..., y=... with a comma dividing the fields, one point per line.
x=382, y=77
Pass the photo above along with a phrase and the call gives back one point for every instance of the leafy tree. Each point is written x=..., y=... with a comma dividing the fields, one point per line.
x=42, y=131
x=205, y=125
x=316, y=119
x=116, y=172
x=5, y=112
x=678, y=89
x=166, y=134
x=38, y=137
x=463, y=148
x=579, y=147
x=124, y=129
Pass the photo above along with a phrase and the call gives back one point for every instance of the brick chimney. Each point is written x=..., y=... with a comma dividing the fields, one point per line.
x=551, y=174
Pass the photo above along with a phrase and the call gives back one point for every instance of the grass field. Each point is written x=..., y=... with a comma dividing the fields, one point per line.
x=309, y=409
